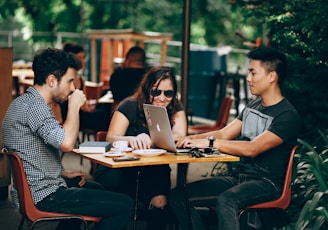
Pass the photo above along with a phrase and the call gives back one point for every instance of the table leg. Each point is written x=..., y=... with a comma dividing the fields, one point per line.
x=182, y=174
x=136, y=202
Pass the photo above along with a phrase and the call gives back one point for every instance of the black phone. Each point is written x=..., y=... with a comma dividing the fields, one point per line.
x=126, y=158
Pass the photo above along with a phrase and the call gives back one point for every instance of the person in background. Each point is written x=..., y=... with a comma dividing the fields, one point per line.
x=31, y=129
x=158, y=87
x=266, y=129
x=126, y=79
x=79, y=80
x=92, y=117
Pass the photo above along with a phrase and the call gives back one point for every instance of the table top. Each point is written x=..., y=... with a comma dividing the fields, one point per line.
x=167, y=158
x=106, y=99
x=21, y=73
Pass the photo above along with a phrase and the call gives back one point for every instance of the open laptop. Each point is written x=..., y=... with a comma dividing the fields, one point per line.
x=160, y=129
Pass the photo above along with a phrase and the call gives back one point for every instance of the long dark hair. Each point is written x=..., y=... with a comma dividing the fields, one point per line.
x=154, y=76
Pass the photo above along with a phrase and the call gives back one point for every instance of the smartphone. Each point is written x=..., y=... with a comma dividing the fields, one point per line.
x=125, y=158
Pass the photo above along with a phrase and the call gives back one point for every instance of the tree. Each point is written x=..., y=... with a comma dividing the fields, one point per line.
x=299, y=28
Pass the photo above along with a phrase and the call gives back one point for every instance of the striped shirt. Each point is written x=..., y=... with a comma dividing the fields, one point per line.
x=31, y=129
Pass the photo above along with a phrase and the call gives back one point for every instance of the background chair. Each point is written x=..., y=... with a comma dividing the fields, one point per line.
x=93, y=121
x=27, y=207
x=93, y=92
x=221, y=120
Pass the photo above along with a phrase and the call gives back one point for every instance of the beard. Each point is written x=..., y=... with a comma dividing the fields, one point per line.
x=59, y=100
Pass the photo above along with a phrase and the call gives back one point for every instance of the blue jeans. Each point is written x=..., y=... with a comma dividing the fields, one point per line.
x=229, y=194
x=115, y=209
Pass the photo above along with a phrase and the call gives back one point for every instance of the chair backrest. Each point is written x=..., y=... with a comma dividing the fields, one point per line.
x=284, y=200
x=26, y=204
x=224, y=111
x=93, y=90
x=101, y=136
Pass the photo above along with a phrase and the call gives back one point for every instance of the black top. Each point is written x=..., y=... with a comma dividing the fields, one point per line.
x=124, y=82
x=282, y=119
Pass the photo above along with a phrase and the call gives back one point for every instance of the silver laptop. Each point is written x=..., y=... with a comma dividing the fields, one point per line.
x=160, y=129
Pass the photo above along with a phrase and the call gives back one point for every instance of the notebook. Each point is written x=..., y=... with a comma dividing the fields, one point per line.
x=160, y=128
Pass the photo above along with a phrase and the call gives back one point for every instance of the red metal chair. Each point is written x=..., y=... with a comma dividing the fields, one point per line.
x=100, y=136
x=281, y=203
x=221, y=120
x=27, y=207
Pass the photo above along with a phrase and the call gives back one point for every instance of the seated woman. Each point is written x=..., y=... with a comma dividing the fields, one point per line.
x=158, y=87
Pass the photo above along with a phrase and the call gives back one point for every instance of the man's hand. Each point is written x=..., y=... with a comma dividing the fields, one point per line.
x=71, y=175
x=77, y=98
x=186, y=142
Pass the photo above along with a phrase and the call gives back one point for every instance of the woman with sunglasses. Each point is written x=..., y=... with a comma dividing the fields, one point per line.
x=158, y=87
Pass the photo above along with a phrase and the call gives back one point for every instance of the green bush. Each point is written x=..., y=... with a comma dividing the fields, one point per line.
x=310, y=185
x=300, y=29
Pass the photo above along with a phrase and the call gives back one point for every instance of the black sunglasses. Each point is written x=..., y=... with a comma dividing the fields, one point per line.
x=167, y=93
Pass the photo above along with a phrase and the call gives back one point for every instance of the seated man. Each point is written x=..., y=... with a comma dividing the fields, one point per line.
x=126, y=79
x=31, y=129
x=266, y=129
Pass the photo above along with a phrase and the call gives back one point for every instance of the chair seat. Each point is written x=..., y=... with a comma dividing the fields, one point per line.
x=26, y=204
x=281, y=203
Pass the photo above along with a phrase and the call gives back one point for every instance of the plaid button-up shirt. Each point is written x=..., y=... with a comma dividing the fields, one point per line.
x=31, y=129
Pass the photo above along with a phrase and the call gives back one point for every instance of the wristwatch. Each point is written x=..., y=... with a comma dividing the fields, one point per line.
x=211, y=140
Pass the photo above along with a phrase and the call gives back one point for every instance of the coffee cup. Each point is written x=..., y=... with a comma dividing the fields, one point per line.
x=120, y=146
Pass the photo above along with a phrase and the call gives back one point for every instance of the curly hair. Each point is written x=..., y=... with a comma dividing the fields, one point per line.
x=153, y=78
x=52, y=61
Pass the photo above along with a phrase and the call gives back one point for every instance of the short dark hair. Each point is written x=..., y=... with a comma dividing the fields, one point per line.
x=272, y=60
x=52, y=61
x=136, y=54
x=73, y=47
x=49, y=61
x=74, y=62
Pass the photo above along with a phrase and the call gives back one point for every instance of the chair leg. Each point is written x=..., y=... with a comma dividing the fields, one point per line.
x=21, y=224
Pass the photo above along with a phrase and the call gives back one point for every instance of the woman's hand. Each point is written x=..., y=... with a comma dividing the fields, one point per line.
x=142, y=141
x=71, y=175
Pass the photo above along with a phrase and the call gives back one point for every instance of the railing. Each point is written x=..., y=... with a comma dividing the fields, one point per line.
x=24, y=49
x=236, y=61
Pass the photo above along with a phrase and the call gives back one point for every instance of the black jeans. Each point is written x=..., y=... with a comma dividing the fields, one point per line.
x=115, y=209
x=229, y=194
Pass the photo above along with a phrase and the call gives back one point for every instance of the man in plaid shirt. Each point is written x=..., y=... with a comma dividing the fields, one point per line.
x=31, y=129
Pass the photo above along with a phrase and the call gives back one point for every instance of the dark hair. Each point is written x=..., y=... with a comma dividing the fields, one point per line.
x=272, y=60
x=49, y=61
x=52, y=61
x=74, y=62
x=136, y=54
x=154, y=76
x=72, y=47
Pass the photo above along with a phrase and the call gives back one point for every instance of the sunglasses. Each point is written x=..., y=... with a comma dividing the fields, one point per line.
x=157, y=92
